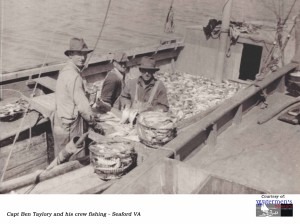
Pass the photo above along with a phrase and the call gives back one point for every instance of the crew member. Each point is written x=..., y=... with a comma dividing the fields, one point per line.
x=146, y=93
x=73, y=113
x=111, y=87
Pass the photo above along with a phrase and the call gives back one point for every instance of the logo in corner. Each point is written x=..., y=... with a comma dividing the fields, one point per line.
x=274, y=208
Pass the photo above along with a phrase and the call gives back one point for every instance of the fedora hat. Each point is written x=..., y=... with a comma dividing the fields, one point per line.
x=77, y=45
x=120, y=57
x=148, y=64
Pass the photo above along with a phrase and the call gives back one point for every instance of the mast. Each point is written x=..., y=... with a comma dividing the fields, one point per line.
x=219, y=71
x=296, y=57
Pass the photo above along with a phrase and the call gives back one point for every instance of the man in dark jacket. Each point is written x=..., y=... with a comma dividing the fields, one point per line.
x=144, y=93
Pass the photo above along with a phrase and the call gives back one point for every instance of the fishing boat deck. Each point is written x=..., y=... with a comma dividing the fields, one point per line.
x=265, y=156
x=84, y=180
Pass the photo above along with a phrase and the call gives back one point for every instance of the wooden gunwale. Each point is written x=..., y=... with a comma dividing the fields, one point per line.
x=97, y=64
x=189, y=140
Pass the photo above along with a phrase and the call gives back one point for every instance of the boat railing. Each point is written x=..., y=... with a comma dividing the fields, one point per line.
x=100, y=64
x=231, y=111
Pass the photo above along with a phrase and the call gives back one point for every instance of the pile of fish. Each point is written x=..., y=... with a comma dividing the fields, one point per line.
x=111, y=160
x=156, y=128
x=12, y=111
x=189, y=94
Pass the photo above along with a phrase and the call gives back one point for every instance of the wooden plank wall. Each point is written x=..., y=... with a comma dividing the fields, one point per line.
x=233, y=62
x=24, y=158
x=199, y=55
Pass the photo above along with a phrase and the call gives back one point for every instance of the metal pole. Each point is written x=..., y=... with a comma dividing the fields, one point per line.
x=296, y=57
x=223, y=42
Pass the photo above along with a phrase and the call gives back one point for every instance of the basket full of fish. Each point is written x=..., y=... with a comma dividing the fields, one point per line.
x=12, y=105
x=156, y=128
x=111, y=160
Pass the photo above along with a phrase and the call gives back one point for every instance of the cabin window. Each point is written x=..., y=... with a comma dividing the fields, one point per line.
x=250, y=62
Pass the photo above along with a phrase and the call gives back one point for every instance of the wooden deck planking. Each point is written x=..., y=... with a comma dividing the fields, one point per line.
x=23, y=160
x=29, y=167
x=133, y=176
x=262, y=156
x=69, y=183
x=83, y=180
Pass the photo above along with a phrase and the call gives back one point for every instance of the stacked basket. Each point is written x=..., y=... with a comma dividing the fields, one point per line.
x=111, y=160
x=156, y=128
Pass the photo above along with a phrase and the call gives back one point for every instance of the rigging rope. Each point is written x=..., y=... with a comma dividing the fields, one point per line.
x=290, y=11
x=270, y=61
x=99, y=35
x=169, y=24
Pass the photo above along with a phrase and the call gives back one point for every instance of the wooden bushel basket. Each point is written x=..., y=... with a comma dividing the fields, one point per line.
x=109, y=162
x=154, y=136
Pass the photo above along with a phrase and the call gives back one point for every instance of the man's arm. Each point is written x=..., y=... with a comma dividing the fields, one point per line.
x=161, y=102
x=81, y=101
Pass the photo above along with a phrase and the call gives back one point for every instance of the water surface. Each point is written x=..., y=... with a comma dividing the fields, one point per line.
x=33, y=30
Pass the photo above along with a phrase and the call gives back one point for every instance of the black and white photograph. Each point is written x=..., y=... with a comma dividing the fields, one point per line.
x=113, y=98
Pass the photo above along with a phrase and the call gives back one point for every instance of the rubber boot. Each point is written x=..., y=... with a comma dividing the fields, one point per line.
x=64, y=155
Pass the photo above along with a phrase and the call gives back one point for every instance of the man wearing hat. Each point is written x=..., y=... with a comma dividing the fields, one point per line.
x=73, y=112
x=110, y=88
x=145, y=92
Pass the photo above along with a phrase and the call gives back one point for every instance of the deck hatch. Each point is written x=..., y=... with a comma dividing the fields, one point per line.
x=250, y=62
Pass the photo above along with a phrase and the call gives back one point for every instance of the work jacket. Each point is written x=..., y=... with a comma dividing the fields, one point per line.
x=72, y=109
x=112, y=87
x=135, y=92
x=71, y=100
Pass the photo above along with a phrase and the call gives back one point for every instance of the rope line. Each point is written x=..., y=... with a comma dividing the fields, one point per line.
x=280, y=44
x=289, y=13
x=169, y=23
x=98, y=38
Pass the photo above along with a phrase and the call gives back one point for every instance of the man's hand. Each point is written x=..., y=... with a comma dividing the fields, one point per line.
x=101, y=106
x=98, y=129
x=125, y=116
